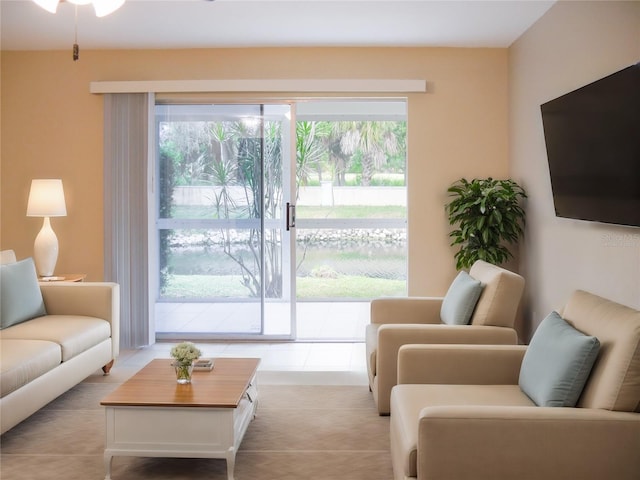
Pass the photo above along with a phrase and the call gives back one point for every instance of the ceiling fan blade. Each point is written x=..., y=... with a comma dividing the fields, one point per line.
x=105, y=7
x=48, y=5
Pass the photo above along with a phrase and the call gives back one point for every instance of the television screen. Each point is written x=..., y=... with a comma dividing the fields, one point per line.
x=592, y=136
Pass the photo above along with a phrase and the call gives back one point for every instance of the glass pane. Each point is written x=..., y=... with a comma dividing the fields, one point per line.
x=220, y=211
x=351, y=200
x=212, y=167
x=211, y=263
x=351, y=263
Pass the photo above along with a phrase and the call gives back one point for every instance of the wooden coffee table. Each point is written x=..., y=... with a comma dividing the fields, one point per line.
x=151, y=415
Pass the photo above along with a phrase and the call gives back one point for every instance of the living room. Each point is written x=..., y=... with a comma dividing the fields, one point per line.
x=479, y=117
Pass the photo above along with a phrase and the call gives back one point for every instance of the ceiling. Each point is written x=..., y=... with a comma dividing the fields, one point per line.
x=248, y=23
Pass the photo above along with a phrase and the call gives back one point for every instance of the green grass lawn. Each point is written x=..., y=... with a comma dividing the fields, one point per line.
x=210, y=286
x=344, y=211
x=349, y=287
x=352, y=211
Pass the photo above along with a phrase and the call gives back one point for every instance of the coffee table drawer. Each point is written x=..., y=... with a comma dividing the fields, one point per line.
x=172, y=429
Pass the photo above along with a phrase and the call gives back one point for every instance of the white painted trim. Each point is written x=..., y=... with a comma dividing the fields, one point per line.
x=263, y=85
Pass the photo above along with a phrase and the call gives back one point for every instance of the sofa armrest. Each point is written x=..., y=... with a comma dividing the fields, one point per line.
x=92, y=299
x=501, y=443
x=460, y=364
x=419, y=310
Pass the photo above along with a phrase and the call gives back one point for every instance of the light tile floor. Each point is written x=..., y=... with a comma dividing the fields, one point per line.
x=329, y=348
x=306, y=363
x=323, y=321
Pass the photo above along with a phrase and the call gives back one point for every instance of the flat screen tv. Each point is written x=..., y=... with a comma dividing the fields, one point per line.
x=592, y=136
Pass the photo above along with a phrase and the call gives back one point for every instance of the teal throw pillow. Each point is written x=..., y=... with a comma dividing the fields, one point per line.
x=21, y=298
x=557, y=363
x=460, y=301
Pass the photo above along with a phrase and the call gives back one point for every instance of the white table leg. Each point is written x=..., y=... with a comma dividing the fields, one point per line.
x=107, y=465
x=231, y=463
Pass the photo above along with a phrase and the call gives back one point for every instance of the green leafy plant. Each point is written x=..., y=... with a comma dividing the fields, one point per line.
x=487, y=214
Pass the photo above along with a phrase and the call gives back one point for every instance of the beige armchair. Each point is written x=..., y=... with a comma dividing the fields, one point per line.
x=458, y=411
x=399, y=321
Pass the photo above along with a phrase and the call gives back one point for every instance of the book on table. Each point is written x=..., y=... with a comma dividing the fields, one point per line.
x=205, y=364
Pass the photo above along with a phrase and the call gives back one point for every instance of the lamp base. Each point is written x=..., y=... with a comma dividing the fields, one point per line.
x=45, y=250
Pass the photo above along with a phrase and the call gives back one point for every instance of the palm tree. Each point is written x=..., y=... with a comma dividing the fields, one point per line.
x=309, y=148
x=338, y=159
x=374, y=140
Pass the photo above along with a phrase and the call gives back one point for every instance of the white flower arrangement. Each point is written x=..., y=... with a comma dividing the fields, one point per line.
x=185, y=352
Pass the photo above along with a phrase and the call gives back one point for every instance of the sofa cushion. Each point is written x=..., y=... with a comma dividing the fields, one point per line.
x=460, y=300
x=407, y=401
x=614, y=383
x=21, y=298
x=74, y=333
x=557, y=363
x=25, y=360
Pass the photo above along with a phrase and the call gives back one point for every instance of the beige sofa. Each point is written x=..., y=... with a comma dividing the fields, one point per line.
x=459, y=413
x=399, y=321
x=43, y=357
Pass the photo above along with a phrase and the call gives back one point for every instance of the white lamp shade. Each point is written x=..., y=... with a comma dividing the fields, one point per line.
x=46, y=199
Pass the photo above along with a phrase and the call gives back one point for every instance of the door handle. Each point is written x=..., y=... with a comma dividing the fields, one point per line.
x=291, y=216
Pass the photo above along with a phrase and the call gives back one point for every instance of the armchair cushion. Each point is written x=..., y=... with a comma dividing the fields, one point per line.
x=407, y=402
x=460, y=300
x=500, y=298
x=557, y=363
x=20, y=293
x=614, y=383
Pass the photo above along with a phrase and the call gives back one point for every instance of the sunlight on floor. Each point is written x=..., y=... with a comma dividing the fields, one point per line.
x=324, y=321
x=281, y=362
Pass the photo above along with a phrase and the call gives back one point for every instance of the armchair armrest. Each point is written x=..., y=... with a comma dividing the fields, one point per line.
x=92, y=299
x=460, y=364
x=501, y=443
x=392, y=337
x=420, y=310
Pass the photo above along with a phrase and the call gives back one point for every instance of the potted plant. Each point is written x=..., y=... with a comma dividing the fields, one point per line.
x=486, y=214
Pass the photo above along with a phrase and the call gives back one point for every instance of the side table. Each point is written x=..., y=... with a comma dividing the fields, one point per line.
x=64, y=277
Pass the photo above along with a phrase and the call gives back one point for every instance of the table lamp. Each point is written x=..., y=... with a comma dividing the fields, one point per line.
x=46, y=199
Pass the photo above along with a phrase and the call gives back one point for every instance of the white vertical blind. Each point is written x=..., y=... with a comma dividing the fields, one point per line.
x=126, y=124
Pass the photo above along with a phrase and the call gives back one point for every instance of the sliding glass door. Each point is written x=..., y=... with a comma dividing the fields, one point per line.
x=235, y=260
x=224, y=250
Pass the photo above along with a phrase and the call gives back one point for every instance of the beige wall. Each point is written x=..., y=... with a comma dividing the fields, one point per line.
x=574, y=44
x=52, y=127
